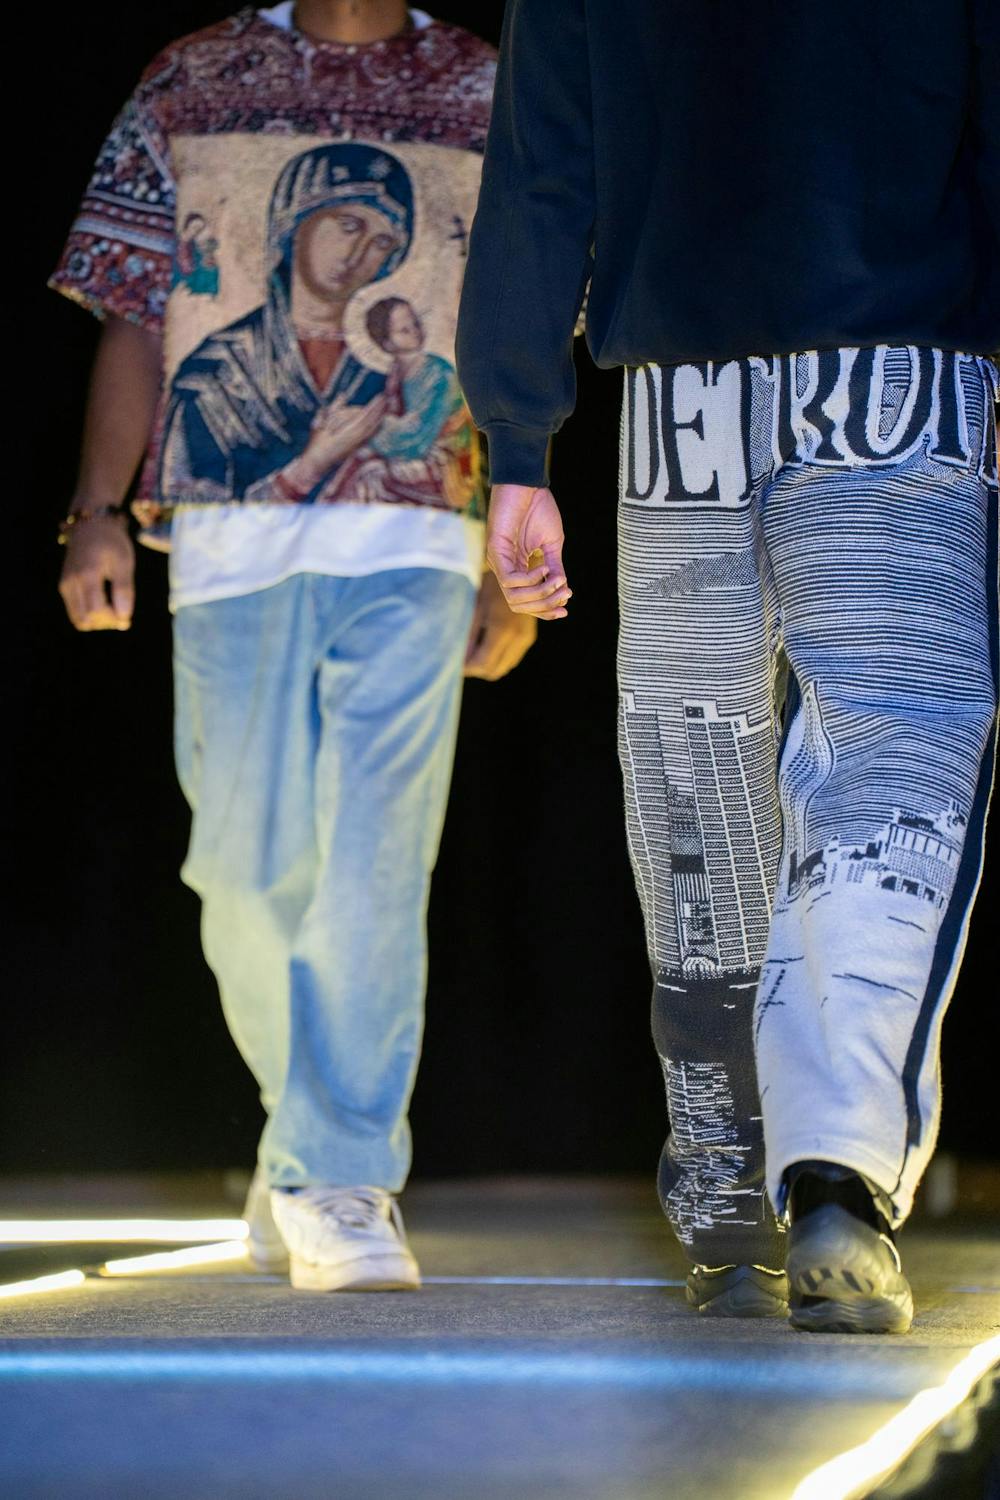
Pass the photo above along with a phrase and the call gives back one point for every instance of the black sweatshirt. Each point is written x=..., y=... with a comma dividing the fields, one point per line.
x=741, y=177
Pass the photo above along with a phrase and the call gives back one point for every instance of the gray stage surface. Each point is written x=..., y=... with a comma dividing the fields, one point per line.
x=551, y=1354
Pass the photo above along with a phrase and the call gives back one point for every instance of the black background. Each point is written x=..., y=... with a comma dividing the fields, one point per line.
x=114, y=1052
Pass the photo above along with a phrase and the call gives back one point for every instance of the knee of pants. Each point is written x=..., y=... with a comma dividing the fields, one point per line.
x=954, y=732
x=264, y=903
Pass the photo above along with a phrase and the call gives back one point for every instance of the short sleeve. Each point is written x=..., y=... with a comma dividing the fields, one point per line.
x=118, y=258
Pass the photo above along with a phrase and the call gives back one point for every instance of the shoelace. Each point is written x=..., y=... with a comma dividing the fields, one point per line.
x=354, y=1208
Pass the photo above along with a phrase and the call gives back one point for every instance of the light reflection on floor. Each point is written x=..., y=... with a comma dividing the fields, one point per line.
x=550, y=1354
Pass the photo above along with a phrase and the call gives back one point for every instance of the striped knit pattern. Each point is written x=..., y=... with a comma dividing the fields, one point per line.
x=823, y=520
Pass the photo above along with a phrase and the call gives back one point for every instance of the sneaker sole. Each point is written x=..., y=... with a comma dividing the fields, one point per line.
x=839, y=1279
x=741, y=1294
x=382, y=1273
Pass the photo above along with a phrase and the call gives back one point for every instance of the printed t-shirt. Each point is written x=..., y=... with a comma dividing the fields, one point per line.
x=292, y=215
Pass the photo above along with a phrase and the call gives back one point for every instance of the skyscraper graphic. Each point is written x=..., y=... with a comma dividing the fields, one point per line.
x=648, y=825
x=924, y=852
x=694, y=942
x=807, y=766
x=912, y=855
x=731, y=765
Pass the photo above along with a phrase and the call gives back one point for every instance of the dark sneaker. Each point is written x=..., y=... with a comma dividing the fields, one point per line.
x=844, y=1272
x=738, y=1291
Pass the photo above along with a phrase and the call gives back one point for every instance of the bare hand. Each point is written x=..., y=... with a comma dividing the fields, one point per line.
x=524, y=542
x=98, y=576
x=499, y=639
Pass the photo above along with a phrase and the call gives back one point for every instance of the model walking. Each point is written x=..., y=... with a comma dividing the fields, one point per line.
x=273, y=182
x=795, y=250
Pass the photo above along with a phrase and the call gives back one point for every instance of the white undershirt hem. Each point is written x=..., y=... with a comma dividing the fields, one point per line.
x=224, y=551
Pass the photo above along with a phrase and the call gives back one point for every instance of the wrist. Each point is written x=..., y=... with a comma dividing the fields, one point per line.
x=296, y=480
x=97, y=494
x=79, y=515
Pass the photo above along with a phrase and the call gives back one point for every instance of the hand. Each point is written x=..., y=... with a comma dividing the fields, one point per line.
x=524, y=542
x=498, y=639
x=97, y=583
x=337, y=430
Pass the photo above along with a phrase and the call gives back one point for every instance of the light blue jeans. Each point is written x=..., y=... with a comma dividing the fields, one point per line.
x=315, y=732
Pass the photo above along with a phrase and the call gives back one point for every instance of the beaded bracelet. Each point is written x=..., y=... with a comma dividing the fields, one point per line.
x=98, y=513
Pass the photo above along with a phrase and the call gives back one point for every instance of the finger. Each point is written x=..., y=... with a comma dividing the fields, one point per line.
x=486, y=663
x=511, y=650
x=70, y=591
x=93, y=600
x=103, y=619
x=552, y=552
x=501, y=555
x=504, y=662
x=486, y=647
x=539, y=612
x=546, y=597
x=96, y=610
x=511, y=578
x=477, y=659
x=122, y=605
x=327, y=413
x=518, y=647
x=474, y=643
x=539, y=589
x=542, y=612
x=123, y=599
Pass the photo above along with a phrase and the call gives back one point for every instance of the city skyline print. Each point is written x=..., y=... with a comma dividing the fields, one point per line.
x=806, y=697
x=912, y=853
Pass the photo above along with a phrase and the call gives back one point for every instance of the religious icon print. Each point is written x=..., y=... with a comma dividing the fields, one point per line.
x=337, y=382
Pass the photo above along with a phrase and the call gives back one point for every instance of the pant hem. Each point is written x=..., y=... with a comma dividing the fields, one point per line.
x=845, y=1153
x=358, y=1174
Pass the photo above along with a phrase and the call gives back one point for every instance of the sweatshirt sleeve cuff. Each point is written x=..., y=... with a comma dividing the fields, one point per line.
x=518, y=455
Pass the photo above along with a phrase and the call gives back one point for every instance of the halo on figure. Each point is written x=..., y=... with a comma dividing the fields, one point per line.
x=359, y=341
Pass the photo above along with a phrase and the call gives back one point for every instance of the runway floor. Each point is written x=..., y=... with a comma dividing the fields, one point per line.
x=550, y=1354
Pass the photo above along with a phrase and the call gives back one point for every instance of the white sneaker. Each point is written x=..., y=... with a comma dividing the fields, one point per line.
x=345, y=1239
x=265, y=1246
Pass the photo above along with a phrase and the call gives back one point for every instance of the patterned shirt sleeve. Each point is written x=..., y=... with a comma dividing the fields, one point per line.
x=118, y=258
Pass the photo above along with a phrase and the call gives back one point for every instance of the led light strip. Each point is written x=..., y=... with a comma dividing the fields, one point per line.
x=119, y=1231
x=624, y=1281
x=132, y=1265
x=853, y=1474
x=169, y=1260
x=59, y=1282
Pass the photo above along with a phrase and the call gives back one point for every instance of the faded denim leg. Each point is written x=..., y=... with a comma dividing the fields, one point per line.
x=316, y=724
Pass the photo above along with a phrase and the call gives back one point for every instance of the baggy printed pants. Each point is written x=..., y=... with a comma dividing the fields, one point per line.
x=807, y=669
x=315, y=732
